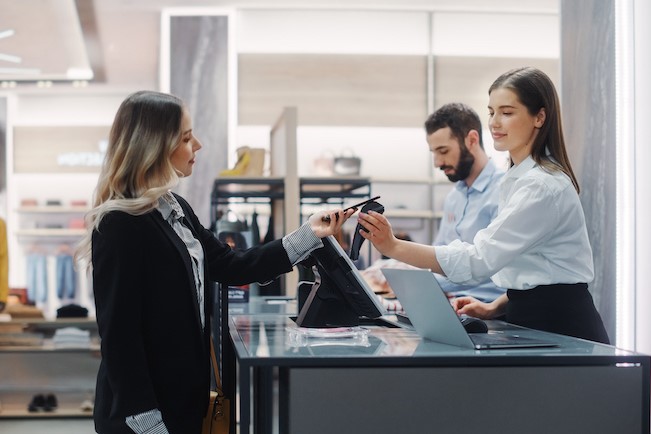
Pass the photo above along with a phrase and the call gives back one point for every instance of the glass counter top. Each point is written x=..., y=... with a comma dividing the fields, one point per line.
x=261, y=337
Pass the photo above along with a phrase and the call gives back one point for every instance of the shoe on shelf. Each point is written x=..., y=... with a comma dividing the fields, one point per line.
x=51, y=402
x=250, y=162
x=37, y=403
x=87, y=405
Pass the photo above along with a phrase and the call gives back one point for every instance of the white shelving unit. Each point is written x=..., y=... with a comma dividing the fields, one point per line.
x=68, y=373
x=51, y=234
x=46, y=230
x=35, y=221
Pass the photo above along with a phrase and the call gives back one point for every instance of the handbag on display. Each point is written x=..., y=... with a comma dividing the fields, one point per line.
x=347, y=164
x=323, y=165
x=232, y=229
x=217, y=419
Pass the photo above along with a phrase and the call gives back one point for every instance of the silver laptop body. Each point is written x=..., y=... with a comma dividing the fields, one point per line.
x=434, y=318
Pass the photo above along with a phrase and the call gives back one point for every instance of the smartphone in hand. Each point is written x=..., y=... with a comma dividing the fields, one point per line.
x=355, y=207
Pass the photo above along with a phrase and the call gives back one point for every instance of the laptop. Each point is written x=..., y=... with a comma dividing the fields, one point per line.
x=434, y=318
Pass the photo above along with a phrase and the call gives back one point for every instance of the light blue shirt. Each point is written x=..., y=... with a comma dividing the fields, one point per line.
x=466, y=211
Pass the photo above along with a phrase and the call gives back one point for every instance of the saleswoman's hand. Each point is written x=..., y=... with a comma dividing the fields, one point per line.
x=378, y=231
x=326, y=223
x=473, y=307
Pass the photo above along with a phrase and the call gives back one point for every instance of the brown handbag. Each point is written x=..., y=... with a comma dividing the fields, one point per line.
x=217, y=419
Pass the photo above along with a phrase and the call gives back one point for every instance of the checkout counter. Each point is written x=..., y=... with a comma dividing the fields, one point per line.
x=389, y=380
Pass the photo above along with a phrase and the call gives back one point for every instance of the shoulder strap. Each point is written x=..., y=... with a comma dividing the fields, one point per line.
x=215, y=367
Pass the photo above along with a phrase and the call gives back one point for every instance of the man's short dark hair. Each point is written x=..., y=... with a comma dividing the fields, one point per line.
x=459, y=117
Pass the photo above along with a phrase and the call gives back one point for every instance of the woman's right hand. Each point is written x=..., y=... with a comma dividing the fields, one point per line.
x=378, y=231
x=381, y=235
x=472, y=307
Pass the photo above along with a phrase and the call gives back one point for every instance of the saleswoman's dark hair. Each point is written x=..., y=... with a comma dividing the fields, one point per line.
x=536, y=91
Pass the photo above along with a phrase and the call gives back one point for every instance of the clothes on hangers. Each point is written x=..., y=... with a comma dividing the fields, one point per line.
x=37, y=277
x=66, y=279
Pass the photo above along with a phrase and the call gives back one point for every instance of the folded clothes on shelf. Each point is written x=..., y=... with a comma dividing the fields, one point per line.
x=77, y=223
x=72, y=311
x=20, y=310
x=28, y=202
x=78, y=202
x=71, y=337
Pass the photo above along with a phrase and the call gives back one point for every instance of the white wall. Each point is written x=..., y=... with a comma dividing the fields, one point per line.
x=330, y=31
x=496, y=34
x=642, y=92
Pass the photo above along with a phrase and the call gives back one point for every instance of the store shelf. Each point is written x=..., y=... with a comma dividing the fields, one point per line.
x=37, y=331
x=53, y=209
x=225, y=189
x=406, y=213
x=51, y=233
x=239, y=190
x=421, y=180
x=69, y=404
x=43, y=324
x=285, y=201
x=273, y=188
x=49, y=347
x=325, y=188
x=68, y=373
x=16, y=411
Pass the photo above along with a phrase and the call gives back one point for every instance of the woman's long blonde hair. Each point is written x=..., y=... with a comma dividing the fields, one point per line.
x=137, y=169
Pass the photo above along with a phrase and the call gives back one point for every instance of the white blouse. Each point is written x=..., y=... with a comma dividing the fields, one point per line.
x=539, y=236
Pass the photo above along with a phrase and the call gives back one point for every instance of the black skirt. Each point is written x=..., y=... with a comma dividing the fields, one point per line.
x=566, y=309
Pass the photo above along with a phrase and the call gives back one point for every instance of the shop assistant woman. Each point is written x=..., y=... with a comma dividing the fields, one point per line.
x=152, y=261
x=538, y=244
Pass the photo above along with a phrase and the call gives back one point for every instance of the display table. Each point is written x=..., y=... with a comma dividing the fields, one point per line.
x=396, y=382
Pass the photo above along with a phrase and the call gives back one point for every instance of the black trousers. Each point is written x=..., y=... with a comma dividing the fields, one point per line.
x=566, y=309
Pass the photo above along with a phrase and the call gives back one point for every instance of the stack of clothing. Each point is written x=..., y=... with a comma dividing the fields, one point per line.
x=71, y=337
x=72, y=311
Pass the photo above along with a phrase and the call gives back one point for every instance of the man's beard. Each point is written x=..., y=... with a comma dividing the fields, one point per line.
x=464, y=166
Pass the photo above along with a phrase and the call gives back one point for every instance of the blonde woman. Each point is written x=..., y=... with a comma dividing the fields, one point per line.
x=151, y=263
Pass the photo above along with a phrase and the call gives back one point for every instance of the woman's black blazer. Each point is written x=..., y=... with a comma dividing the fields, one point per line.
x=154, y=349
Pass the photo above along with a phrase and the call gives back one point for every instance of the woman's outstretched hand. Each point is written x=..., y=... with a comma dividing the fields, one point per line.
x=327, y=223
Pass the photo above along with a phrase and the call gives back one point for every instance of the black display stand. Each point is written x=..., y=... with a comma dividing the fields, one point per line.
x=324, y=306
